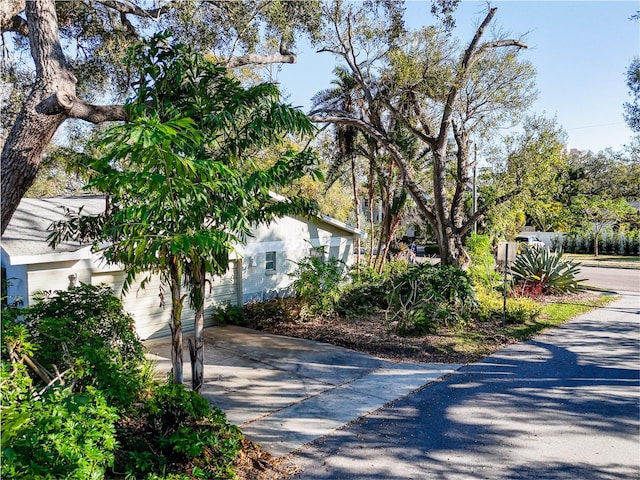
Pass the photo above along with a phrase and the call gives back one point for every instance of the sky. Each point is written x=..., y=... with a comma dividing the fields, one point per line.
x=580, y=49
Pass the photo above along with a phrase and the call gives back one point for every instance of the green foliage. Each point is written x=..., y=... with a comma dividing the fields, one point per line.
x=491, y=307
x=426, y=297
x=183, y=175
x=318, y=283
x=632, y=108
x=482, y=269
x=86, y=330
x=366, y=293
x=68, y=435
x=229, y=315
x=536, y=270
x=176, y=430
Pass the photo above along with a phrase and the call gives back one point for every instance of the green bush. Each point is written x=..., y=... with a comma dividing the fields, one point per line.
x=229, y=315
x=426, y=297
x=175, y=430
x=490, y=307
x=482, y=269
x=317, y=282
x=86, y=330
x=366, y=293
x=536, y=271
x=68, y=435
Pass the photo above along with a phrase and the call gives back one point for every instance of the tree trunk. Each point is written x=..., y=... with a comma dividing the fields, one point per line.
x=196, y=350
x=371, y=196
x=41, y=115
x=356, y=205
x=452, y=251
x=177, y=303
x=51, y=101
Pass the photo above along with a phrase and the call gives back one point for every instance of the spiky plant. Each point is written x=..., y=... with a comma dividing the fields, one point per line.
x=537, y=270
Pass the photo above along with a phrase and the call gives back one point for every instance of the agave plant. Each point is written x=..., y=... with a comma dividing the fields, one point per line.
x=537, y=270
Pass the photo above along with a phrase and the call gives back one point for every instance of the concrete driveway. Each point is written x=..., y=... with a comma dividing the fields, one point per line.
x=285, y=392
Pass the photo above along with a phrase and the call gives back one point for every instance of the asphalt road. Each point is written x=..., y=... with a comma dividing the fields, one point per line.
x=616, y=279
x=563, y=406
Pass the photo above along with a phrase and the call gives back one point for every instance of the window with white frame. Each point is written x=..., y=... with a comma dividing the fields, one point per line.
x=270, y=262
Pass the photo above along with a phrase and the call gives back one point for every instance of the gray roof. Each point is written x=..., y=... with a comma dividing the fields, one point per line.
x=26, y=235
x=25, y=239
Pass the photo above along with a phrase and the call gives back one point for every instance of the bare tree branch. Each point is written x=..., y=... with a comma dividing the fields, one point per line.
x=256, y=59
x=482, y=210
x=342, y=118
x=405, y=121
x=76, y=108
x=17, y=24
x=128, y=8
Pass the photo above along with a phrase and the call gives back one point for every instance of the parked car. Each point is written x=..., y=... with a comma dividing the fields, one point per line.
x=528, y=241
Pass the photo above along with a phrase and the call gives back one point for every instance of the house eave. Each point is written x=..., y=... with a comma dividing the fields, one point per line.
x=80, y=254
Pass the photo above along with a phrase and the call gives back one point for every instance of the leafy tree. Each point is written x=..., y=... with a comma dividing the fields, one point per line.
x=610, y=173
x=419, y=87
x=77, y=49
x=602, y=212
x=632, y=109
x=532, y=164
x=182, y=178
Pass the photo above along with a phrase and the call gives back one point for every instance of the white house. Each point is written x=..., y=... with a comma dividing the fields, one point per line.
x=258, y=270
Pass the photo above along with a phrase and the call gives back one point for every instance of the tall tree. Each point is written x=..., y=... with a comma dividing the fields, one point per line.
x=182, y=180
x=76, y=48
x=421, y=81
x=632, y=108
x=601, y=213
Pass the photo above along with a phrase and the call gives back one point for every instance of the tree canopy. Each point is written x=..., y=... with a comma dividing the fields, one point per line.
x=424, y=101
x=76, y=51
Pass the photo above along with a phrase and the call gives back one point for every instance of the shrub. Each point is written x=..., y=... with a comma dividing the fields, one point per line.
x=68, y=435
x=175, y=430
x=367, y=292
x=537, y=270
x=482, y=269
x=85, y=329
x=317, y=282
x=490, y=307
x=427, y=297
x=229, y=315
x=80, y=429
x=260, y=315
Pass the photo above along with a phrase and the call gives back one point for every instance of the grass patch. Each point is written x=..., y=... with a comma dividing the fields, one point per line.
x=556, y=313
x=632, y=261
x=486, y=338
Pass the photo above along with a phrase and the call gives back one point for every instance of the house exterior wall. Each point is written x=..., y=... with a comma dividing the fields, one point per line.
x=291, y=239
x=151, y=307
x=17, y=283
x=30, y=265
